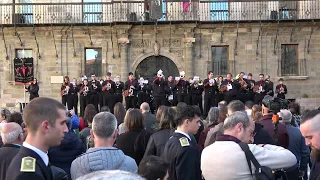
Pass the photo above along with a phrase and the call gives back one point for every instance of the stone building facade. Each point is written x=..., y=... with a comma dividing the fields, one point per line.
x=251, y=47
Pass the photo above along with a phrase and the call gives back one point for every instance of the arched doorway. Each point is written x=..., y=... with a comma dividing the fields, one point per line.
x=149, y=67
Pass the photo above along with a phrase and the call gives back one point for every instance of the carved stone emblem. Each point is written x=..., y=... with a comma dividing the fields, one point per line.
x=172, y=43
x=139, y=43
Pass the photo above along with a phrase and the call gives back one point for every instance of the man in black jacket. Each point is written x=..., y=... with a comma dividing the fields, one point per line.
x=159, y=89
x=310, y=129
x=210, y=88
x=181, y=150
x=45, y=119
x=12, y=137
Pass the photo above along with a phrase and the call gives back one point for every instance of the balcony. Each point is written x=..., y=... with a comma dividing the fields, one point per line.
x=161, y=11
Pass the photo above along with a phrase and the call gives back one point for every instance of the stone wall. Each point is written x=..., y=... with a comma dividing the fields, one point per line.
x=187, y=45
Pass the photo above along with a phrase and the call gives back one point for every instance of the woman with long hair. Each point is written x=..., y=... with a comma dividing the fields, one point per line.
x=256, y=109
x=33, y=89
x=159, y=139
x=86, y=122
x=134, y=142
x=119, y=112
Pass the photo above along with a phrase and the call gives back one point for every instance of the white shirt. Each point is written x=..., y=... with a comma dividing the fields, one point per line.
x=249, y=111
x=44, y=156
x=183, y=134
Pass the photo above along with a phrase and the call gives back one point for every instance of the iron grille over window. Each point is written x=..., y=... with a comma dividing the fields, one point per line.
x=289, y=60
x=219, y=60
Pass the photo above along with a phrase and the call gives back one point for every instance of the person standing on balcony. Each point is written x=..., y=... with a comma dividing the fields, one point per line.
x=281, y=89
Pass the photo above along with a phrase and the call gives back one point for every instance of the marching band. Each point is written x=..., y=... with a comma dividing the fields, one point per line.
x=169, y=92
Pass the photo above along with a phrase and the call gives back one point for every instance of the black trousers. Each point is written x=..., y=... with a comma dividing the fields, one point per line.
x=131, y=102
x=67, y=100
x=143, y=97
x=182, y=98
x=109, y=100
x=258, y=97
x=84, y=101
x=75, y=103
x=219, y=97
x=101, y=100
x=197, y=100
x=243, y=97
x=119, y=97
x=209, y=101
x=94, y=99
x=160, y=100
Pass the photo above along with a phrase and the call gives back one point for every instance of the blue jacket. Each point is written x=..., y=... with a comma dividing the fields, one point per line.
x=298, y=147
x=75, y=122
x=70, y=148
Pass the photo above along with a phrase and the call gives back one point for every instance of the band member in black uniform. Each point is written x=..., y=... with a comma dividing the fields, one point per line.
x=181, y=150
x=243, y=86
x=67, y=92
x=144, y=91
x=196, y=90
x=228, y=87
x=171, y=92
x=182, y=88
x=281, y=89
x=46, y=121
x=33, y=89
x=159, y=88
x=84, y=96
x=100, y=94
x=76, y=89
x=119, y=89
x=130, y=92
x=94, y=91
x=260, y=89
x=252, y=84
x=219, y=94
x=189, y=95
x=269, y=90
x=210, y=89
x=108, y=90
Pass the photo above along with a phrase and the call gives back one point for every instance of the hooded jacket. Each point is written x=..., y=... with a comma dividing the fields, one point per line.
x=106, y=158
x=70, y=148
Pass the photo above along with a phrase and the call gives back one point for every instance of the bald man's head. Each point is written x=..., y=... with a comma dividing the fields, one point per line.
x=12, y=133
x=144, y=107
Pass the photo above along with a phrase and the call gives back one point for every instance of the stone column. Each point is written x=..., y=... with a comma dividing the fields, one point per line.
x=189, y=59
x=124, y=69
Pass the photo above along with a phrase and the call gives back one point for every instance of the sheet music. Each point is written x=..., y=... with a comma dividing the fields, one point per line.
x=229, y=87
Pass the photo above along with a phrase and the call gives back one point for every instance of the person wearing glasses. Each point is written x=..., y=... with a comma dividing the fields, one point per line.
x=12, y=136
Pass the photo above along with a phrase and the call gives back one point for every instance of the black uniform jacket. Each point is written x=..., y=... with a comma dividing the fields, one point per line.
x=42, y=172
x=7, y=153
x=183, y=157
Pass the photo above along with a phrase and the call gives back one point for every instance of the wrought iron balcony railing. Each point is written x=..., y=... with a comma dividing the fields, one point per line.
x=166, y=11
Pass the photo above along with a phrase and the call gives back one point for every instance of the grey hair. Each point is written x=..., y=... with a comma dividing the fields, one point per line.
x=104, y=124
x=222, y=104
x=5, y=113
x=235, y=118
x=236, y=105
x=286, y=116
x=111, y=175
x=10, y=137
x=213, y=115
x=145, y=106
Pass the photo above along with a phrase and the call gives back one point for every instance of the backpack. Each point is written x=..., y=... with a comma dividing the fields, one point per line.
x=261, y=172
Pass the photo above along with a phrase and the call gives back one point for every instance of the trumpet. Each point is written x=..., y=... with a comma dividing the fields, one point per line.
x=106, y=87
x=85, y=90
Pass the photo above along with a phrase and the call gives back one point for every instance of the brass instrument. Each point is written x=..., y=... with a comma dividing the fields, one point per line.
x=106, y=87
x=281, y=89
x=242, y=82
x=223, y=87
x=94, y=86
x=86, y=90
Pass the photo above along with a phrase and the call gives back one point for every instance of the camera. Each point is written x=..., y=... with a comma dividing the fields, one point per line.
x=275, y=104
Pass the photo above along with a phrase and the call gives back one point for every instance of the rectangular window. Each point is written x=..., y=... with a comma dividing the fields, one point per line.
x=219, y=10
x=23, y=53
x=288, y=10
x=289, y=60
x=25, y=15
x=92, y=13
x=93, y=61
x=219, y=60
